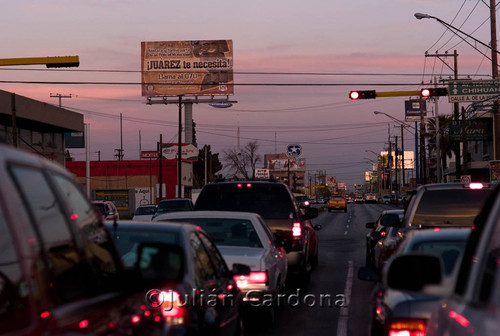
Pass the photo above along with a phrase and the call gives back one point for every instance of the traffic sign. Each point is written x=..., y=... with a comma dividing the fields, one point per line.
x=294, y=150
x=465, y=179
x=473, y=90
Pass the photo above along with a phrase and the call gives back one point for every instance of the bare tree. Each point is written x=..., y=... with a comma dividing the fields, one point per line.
x=242, y=163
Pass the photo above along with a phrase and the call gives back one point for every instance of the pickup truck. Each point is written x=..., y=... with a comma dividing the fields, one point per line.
x=337, y=203
x=472, y=299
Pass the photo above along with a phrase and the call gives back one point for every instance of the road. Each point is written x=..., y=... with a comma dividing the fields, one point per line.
x=334, y=302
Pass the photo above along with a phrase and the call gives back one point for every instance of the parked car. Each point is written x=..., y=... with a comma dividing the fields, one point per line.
x=144, y=212
x=337, y=203
x=471, y=305
x=60, y=273
x=274, y=202
x=244, y=238
x=396, y=312
x=386, y=247
x=188, y=271
x=173, y=205
x=106, y=209
x=385, y=199
x=386, y=220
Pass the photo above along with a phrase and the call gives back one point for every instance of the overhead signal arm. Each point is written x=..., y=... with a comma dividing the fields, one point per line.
x=50, y=61
x=372, y=94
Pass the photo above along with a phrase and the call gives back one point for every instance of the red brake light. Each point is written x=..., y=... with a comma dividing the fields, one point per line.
x=254, y=278
x=459, y=318
x=171, y=307
x=407, y=328
x=83, y=324
x=135, y=319
x=249, y=185
x=476, y=185
x=45, y=314
x=239, y=185
x=296, y=230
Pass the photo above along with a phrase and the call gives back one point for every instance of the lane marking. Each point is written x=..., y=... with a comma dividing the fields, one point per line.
x=344, y=311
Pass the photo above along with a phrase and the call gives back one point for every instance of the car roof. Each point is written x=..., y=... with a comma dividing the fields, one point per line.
x=393, y=211
x=149, y=226
x=455, y=185
x=207, y=214
x=439, y=234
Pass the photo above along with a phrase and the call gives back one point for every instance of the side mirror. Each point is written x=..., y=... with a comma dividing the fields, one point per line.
x=370, y=225
x=241, y=269
x=310, y=213
x=317, y=227
x=413, y=272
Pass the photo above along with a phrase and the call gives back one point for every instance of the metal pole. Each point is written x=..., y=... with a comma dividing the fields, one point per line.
x=438, y=141
x=416, y=159
x=179, y=152
x=494, y=72
x=402, y=156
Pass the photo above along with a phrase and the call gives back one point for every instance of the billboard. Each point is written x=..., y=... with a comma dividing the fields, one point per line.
x=190, y=68
x=283, y=164
x=189, y=152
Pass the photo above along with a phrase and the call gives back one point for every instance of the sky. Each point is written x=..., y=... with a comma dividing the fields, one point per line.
x=342, y=45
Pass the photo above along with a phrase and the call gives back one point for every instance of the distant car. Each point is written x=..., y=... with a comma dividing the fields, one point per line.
x=370, y=198
x=302, y=201
x=349, y=199
x=386, y=220
x=337, y=203
x=244, y=238
x=173, y=205
x=106, y=209
x=144, y=212
x=399, y=313
x=359, y=199
x=187, y=270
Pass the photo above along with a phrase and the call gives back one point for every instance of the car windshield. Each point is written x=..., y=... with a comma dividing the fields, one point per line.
x=145, y=210
x=448, y=250
x=227, y=231
x=174, y=205
x=270, y=201
x=452, y=207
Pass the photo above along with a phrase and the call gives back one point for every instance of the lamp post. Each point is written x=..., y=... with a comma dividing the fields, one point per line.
x=494, y=65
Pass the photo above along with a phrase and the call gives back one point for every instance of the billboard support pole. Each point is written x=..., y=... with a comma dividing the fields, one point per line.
x=179, y=152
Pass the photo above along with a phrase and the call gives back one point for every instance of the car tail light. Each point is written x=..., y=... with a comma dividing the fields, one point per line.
x=407, y=328
x=296, y=230
x=476, y=185
x=251, y=280
x=171, y=307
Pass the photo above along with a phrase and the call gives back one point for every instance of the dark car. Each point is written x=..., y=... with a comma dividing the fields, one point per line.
x=396, y=312
x=60, y=273
x=173, y=205
x=386, y=220
x=302, y=201
x=274, y=202
x=471, y=304
x=192, y=292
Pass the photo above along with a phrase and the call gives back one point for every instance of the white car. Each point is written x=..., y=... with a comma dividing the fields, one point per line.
x=144, y=212
x=244, y=238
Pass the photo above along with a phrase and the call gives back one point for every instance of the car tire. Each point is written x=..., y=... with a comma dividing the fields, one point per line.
x=345, y=209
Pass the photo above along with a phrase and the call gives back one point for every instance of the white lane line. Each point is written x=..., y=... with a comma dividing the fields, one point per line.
x=344, y=310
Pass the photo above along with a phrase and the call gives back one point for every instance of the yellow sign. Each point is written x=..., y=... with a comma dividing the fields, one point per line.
x=187, y=68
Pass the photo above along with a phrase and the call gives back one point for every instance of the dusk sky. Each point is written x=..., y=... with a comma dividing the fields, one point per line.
x=345, y=45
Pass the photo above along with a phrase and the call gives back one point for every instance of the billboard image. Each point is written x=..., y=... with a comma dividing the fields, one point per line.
x=190, y=68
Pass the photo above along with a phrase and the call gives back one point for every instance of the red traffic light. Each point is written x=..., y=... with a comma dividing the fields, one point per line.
x=367, y=94
x=433, y=92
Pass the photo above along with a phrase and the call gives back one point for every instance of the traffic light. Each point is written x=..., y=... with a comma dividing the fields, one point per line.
x=433, y=92
x=369, y=94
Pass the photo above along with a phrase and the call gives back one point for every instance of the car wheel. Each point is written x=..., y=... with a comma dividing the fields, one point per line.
x=269, y=315
x=345, y=209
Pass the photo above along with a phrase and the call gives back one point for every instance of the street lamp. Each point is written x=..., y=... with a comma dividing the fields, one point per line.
x=494, y=64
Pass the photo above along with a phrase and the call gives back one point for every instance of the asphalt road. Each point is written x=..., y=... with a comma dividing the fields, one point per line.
x=334, y=302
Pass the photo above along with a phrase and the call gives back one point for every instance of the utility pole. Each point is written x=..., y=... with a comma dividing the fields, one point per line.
x=60, y=96
x=494, y=73
x=403, y=155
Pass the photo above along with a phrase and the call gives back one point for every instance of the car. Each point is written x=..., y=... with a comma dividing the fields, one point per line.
x=106, y=209
x=244, y=238
x=370, y=198
x=386, y=246
x=471, y=304
x=385, y=199
x=337, y=203
x=274, y=202
x=349, y=199
x=144, y=212
x=173, y=205
x=302, y=201
x=379, y=228
x=60, y=273
x=396, y=312
x=359, y=199
x=195, y=293
x=445, y=205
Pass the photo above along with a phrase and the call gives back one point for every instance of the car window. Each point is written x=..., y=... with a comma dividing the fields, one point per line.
x=69, y=273
x=218, y=260
x=145, y=210
x=456, y=207
x=14, y=303
x=489, y=280
x=204, y=268
x=271, y=201
x=449, y=251
x=227, y=231
x=98, y=244
x=268, y=231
